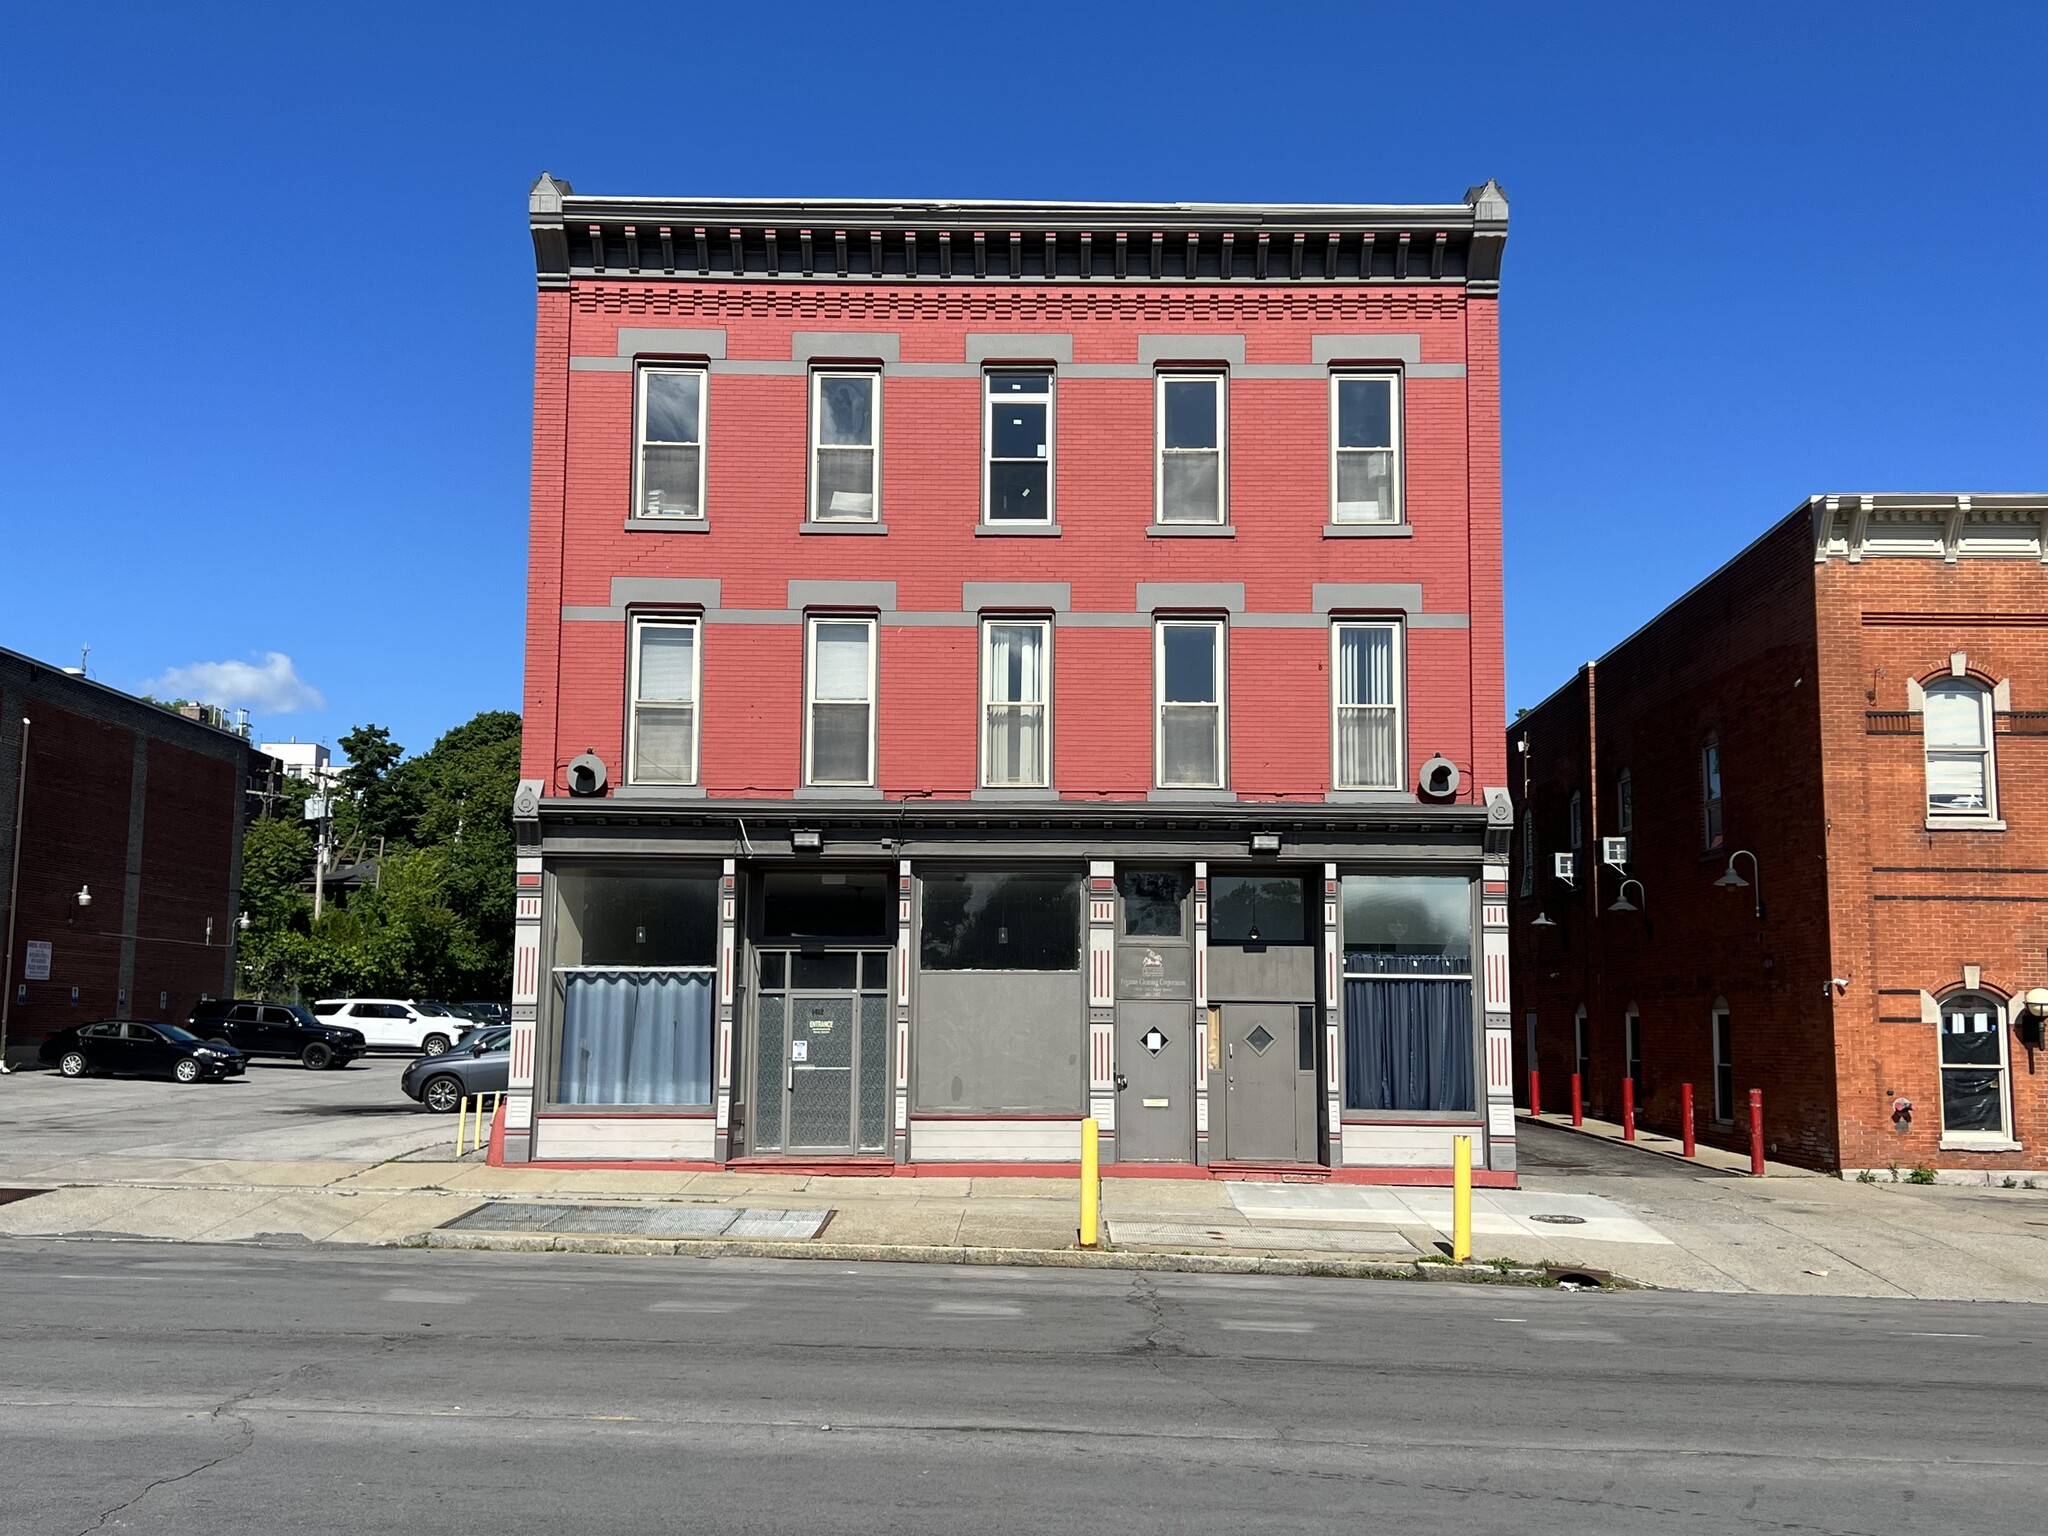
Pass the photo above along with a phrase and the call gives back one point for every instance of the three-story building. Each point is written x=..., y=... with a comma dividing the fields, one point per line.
x=992, y=664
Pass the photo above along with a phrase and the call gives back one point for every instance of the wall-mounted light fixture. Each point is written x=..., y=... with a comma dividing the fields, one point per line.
x=1622, y=903
x=1541, y=920
x=806, y=840
x=1265, y=842
x=79, y=902
x=1733, y=881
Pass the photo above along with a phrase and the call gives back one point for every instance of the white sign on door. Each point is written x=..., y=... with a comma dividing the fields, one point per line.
x=800, y=1050
x=38, y=967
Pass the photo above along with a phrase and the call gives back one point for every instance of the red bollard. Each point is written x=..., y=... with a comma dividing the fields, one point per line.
x=1628, y=1109
x=1535, y=1092
x=1756, y=1132
x=1578, y=1102
x=1685, y=1109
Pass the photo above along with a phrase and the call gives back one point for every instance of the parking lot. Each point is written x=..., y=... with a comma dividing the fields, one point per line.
x=278, y=1111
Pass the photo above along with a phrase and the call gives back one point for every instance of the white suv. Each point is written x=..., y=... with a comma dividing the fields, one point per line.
x=391, y=1025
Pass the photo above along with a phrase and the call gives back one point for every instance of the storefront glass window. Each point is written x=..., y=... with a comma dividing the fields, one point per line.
x=1257, y=909
x=1409, y=1024
x=1011, y=921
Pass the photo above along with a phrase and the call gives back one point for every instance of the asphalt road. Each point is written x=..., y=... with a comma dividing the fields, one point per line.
x=1549, y=1149
x=217, y=1391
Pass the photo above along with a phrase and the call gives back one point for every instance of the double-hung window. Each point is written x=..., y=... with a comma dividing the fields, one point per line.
x=846, y=436
x=1365, y=671
x=669, y=464
x=1973, y=1069
x=1958, y=724
x=1365, y=448
x=1192, y=475
x=1016, y=703
x=1188, y=688
x=1017, y=420
x=839, y=739
x=1711, y=833
x=663, y=748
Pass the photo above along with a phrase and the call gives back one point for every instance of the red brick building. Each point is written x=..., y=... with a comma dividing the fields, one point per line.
x=1851, y=717
x=990, y=664
x=129, y=856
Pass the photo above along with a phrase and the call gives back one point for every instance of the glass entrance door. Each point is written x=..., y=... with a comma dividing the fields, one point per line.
x=821, y=1053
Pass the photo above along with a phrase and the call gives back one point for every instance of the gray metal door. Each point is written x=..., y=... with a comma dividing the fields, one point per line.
x=821, y=1056
x=1155, y=1098
x=1262, y=1084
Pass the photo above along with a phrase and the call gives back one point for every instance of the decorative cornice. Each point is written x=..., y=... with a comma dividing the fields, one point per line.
x=912, y=241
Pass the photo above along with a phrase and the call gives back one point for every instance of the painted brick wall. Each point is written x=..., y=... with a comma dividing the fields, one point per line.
x=755, y=471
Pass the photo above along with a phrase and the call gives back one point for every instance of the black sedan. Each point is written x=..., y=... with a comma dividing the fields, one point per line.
x=126, y=1048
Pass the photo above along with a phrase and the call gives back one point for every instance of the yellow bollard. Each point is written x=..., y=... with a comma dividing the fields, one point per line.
x=1461, y=1199
x=1091, y=1184
x=461, y=1114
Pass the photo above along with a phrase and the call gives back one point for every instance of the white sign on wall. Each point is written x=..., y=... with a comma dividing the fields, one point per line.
x=38, y=967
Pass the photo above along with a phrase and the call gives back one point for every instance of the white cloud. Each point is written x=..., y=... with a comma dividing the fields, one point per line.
x=269, y=688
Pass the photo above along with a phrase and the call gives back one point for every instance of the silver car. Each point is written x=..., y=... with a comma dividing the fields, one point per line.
x=482, y=1064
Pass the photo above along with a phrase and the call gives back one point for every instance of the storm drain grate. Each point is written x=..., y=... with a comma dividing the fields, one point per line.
x=9, y=1196
x=642, y=1221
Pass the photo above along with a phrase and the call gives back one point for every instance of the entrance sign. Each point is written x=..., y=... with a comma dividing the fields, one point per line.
x=38, y=967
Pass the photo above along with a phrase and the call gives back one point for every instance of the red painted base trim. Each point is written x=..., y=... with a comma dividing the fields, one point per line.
x=1271, y=1173
x=848, y=1167
x=496, y=1155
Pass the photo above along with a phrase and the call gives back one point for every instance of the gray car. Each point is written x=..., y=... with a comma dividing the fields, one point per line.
x=481, y=1065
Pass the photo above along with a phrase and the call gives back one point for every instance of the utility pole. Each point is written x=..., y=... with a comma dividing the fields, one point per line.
x=316, y=812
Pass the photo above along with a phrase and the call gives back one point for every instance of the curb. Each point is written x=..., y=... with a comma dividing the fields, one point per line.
x=1023, y=1258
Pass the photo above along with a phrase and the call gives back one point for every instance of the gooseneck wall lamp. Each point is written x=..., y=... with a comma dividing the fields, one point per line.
x=1734, y=881
x=1622, y=903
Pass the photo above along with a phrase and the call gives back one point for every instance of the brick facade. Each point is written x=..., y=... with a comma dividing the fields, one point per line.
x=1797, y=660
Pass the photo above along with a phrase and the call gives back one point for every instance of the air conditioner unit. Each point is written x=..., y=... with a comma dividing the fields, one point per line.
x=1614, y=851
x=1566, y=867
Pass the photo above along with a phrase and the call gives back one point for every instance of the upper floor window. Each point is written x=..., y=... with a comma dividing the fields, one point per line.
x=846, y=434
x=1960, y=782
x=1578, y=826
x=1016, y=695
x=1365, y=673
x=1710, y=794
x=1191, y=476
x=1017, y=475
x=1365, y=447
x=1973, y=1097
x=662, y=745
x=1625, y=803
x=839, y=735
x=1188, y=683
x=669, y=464
x=1528, y=853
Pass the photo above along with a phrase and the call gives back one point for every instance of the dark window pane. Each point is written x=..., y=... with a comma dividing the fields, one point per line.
x=774, y=969
x=825, y=904
x=1970, y=1101
x=1019, y=383
x=1257, y=909
x=1305, y=1038
x=1421, y=924
x=1016, y=494
x=846, y=412
x=1017, y=431
x=1189, y=486
x=1152, y=902
x=830, y=971
x=1191, y=413
x=1969, y=1034
x=668, y=482
x=1365, y=413
x=633, y=921
x=839, y=743
x=1190, y=657
x=874, y=971
x=846, y=483
x=1002, y=922
x=672, y=407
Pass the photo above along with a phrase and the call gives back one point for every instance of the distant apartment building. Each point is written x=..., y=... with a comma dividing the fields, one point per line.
x=120, y=854
x=307, y=761
x=1826, y=767
x=995, y=664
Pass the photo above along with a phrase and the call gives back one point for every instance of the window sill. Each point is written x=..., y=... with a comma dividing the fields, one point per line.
x=1964, y=824
x=668, y=525
x=1190, y=531
x=1368, y=531
x=836, y=792
x=1965, y=1141
x=658, y=792
x=1014, y=794
x=1192, y=796
x=842, y=528
x=1369, y=797
x=1017, y=530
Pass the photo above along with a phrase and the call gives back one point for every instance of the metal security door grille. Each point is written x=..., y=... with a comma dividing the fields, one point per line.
x=771, y=1050
x=821, y=1057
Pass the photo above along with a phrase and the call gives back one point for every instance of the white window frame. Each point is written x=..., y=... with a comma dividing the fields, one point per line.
x=1160, y=452
x=1721, y=1052
x=1713, y=798
x=988, y=442
x=1221, y=676
x=873, y=376
x=1398, y=708
x=1987, y=717
x=2002, y=1138
x=641, y=623
x=640, y=377
x=989, y=702
x=811, y=700
x=1395, y=449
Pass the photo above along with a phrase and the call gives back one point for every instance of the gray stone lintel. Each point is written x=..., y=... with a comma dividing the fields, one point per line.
x=674, y=341
x=879, y=346
x=1155, y=595
x=1209, y=347
x=1043, y=596
x=1020, y=346
x=1369, y=596
x=1365, y=347
x=684, y=591
x=878, y=595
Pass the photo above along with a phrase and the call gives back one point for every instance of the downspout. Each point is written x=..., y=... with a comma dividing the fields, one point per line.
x=13, y=894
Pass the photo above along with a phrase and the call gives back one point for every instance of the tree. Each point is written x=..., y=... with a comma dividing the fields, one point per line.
x=377, y=796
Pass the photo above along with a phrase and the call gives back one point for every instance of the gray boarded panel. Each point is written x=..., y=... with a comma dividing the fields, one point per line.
x=1000, y=1041
x=1276, y=974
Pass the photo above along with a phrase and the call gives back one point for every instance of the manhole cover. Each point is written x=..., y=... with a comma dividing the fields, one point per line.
x=1258, y=1040
x=1560, y=1221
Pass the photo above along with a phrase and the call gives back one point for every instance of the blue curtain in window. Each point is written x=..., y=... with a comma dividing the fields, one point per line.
x=1407, y=1043
x=634, y=1037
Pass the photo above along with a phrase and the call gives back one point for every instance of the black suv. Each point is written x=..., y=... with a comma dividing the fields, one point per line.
x=277, y=1029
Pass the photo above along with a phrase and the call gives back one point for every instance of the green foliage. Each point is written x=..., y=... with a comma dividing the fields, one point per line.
x=1922, y=1174
x=437, y=921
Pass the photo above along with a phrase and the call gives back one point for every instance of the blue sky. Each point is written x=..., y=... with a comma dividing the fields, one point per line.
x=268, y=290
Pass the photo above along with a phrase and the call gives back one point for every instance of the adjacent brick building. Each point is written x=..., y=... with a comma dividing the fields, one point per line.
x=994, y=663
x=1852, y=718
x=135, y=808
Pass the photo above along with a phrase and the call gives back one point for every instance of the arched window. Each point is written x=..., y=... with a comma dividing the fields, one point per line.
x=1710, y=794
x=1528, y=853
x=1960, y=781
x=1973, y=1069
